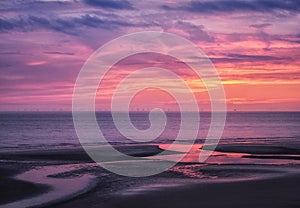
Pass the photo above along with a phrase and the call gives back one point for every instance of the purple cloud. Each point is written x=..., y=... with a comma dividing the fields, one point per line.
x=114, y=4
x=227, y=6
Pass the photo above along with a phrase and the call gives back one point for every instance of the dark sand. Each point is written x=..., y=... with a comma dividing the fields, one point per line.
x=78, y=154
x=277, y=192
x=255, y=149
x=284, y=157
x=12, y=189
x=278, y=187
x=14, y=163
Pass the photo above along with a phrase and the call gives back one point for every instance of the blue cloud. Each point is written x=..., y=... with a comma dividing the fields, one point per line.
x=237, y=58
x=261, y=26
x=68, y=26
x=110, y=4
x=238, y=6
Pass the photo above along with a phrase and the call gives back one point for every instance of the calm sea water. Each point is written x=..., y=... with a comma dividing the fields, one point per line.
x=42, y=130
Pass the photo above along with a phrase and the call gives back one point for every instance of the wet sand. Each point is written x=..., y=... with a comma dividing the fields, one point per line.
x=12, y=189
x=276, y=192
x=15, y=189
x=257, y=149
x=188, y=184
x=78, y=154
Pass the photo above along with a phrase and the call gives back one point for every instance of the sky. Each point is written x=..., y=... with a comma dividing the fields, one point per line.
x=253, y=44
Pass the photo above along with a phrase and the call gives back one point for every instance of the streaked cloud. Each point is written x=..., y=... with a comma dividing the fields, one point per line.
x=71, y=26
x=115, y=4
x=254, y=45
x=226, y=6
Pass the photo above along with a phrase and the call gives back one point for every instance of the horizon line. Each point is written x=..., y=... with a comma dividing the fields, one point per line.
x=136, y=111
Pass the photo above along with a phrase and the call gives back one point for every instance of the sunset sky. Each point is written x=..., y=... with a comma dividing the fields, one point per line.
x=253, y=44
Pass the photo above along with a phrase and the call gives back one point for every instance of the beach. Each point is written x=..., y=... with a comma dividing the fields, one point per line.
x=255, y=164
x=229, y=178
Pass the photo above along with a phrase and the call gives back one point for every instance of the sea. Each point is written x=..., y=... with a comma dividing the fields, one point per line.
x=69, y=174
x=50, y=130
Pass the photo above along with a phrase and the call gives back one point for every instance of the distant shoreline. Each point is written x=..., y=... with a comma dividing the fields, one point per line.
x=147, y=111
